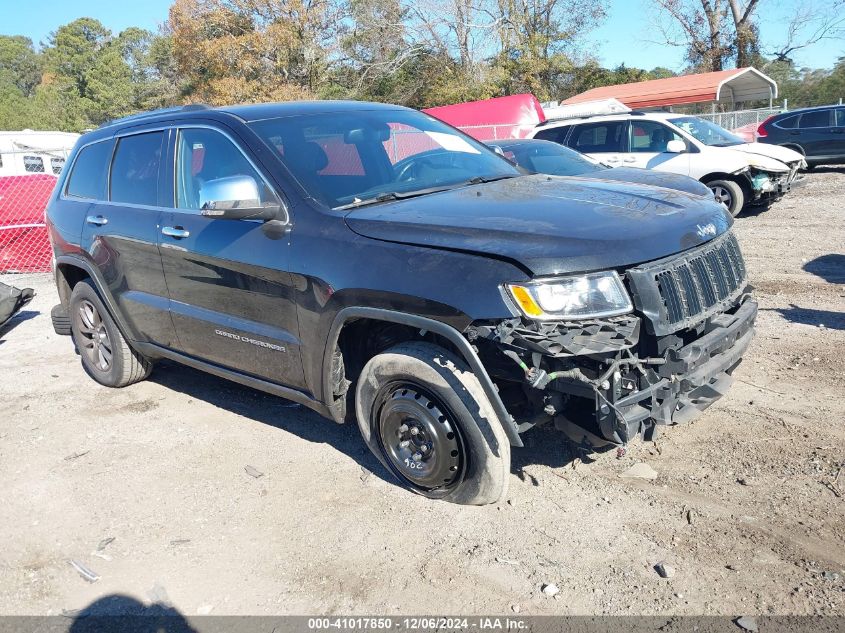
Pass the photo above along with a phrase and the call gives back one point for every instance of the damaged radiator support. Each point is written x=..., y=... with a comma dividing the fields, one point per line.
x=546, y=353
x=590, y=379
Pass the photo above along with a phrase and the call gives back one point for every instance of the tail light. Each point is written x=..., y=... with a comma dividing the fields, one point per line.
x=762, y=132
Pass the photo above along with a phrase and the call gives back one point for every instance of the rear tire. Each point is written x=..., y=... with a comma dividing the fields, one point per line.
x=424, y=415
x=729, y=194
x=106, y=356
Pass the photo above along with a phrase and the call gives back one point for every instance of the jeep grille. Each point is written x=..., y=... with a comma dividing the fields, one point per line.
x=681, y=291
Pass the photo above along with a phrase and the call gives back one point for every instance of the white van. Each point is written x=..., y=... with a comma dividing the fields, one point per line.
x=737, y=172
x=34, y=152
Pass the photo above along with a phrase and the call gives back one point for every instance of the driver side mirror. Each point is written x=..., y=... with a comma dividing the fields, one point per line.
x=676, y=147
x=236, y=198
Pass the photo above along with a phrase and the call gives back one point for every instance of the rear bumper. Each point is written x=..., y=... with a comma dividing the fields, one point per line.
x=692, y=377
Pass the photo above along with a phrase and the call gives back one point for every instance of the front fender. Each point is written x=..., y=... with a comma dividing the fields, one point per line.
x=425, y=324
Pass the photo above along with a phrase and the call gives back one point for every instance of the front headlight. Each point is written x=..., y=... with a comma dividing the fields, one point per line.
x=582, y=297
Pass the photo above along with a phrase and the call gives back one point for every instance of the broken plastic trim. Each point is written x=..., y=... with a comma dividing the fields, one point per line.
x=564, y=339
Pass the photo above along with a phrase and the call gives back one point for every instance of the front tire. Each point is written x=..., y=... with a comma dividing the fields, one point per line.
x=729, y=194
x=424, y=415
x=106, y=356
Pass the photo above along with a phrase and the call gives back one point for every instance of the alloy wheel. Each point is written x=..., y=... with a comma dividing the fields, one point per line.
x=96, y=343
x=723, y=196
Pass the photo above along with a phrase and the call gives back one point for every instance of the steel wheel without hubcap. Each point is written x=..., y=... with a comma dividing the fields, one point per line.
x=419, y=440
x=723, y=196
x=97, y=345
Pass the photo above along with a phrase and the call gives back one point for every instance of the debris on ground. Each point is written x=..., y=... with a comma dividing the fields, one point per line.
x=103, y=544
x=84, y=571
x=253, y=472
x=664, y=570
x=73, y=456
x=158, y=595
x=550, y=589
x=640, y=470
x=747, y=623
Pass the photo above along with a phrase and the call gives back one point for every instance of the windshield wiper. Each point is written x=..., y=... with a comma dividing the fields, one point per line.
x=477, y=180
x=388, y=196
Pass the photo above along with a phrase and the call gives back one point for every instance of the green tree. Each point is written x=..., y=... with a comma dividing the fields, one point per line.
x=20, y=65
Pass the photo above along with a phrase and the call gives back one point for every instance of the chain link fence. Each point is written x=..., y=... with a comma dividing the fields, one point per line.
x=743, y=123
x=27, y=179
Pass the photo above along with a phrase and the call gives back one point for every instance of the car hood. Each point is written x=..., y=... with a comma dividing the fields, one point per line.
x=776, y=152
x=550, y=224
x=653, y=178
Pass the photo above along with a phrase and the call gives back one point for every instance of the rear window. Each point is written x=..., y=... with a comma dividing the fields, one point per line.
x=88, y=178
x=817, y=118
x=134, y=172
x=788, y=123
x=555, y=134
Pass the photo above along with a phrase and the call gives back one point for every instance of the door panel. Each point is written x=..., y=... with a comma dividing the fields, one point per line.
x=121, y=237
x=813, y=132
x=647, y=141
x=604, y=141
x=231, y=293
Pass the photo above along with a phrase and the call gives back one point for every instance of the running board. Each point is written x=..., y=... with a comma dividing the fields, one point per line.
x=156, y=351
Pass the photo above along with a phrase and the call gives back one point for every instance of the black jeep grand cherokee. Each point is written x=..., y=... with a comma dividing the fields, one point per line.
x=369, y=260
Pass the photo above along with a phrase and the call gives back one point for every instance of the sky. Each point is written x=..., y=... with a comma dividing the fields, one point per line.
x=626, y=36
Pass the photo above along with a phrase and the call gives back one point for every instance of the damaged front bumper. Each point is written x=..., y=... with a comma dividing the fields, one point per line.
x=690, y=379
x=608, y=380
x=601, y=384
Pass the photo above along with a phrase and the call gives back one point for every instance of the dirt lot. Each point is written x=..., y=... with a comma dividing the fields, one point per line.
x=745, y=507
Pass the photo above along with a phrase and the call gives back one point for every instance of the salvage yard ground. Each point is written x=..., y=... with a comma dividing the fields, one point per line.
x=224, y=500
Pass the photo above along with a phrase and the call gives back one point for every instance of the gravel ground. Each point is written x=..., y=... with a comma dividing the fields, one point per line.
x=746, y=507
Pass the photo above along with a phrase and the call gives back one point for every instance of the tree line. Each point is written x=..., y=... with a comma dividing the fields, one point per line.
x=417, y=53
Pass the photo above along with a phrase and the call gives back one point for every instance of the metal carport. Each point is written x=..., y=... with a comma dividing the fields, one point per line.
x=726, y=87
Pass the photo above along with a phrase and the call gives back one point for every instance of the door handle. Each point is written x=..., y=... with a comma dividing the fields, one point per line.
x=175, y=231
x=794, y=133
x=612, y=159
x=630, y=160
x=97, y=220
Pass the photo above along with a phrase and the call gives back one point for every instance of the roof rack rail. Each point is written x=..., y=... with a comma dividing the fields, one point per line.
x=145, y=115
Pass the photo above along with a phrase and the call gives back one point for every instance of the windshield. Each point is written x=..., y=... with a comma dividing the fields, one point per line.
x=545, y=157
x=348, y=159
x=707, y=132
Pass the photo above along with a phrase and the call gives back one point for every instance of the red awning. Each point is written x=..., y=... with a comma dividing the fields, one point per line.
x=740, y=84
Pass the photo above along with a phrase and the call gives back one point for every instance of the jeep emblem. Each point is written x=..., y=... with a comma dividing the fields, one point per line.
x=705, y=230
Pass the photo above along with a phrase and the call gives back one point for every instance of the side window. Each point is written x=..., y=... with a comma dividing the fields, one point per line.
x=650, y=136
x=788, y=123
x=597, y=138
x=816, y=118
x=134, y=171
x=33, y=164
x=209, y=165
x=554, y=134
x=839, y=122
x=88, y=178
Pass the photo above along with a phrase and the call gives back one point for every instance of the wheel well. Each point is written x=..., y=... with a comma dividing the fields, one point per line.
x=795, y=147
x=361, y=339
x=67, y=276
x=737, y=178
